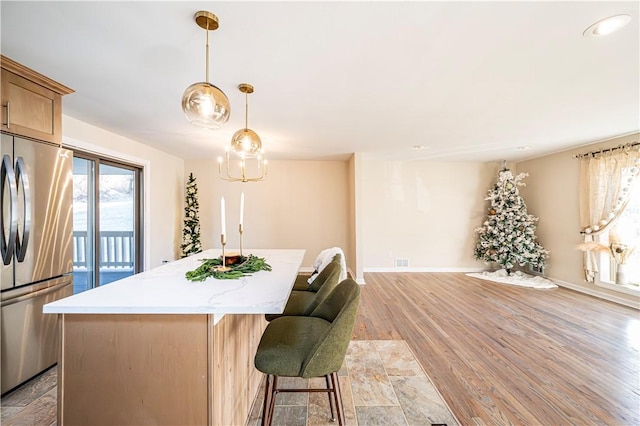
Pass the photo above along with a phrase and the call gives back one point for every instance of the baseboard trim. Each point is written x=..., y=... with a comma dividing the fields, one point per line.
x=424, y=269
x=350, y=274
x=597, y=293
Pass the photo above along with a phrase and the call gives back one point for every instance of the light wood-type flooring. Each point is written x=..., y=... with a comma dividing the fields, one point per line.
x=498, y=354
x=503, y=355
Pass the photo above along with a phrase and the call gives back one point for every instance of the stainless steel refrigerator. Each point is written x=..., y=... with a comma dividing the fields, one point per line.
x=37, y=253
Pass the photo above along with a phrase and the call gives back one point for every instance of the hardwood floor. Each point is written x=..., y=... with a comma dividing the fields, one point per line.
x=503, y=355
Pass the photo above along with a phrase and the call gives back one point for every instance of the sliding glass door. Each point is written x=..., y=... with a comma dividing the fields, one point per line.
x=106, y=221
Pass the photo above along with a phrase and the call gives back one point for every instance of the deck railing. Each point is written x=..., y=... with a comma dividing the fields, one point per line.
x=116, y=249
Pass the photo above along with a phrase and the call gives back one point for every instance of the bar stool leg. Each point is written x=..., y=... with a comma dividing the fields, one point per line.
x=266, y=408
x=338, y=396
x=331, y=395
x=274, y=392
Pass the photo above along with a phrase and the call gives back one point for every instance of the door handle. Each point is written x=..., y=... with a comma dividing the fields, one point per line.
x=22, y=176
x=35, y=294
x=7, y=176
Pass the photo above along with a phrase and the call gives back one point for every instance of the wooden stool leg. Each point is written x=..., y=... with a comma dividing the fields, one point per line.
x=331, y=398
x=338, y=396
x=266, y=407
x=274, y=392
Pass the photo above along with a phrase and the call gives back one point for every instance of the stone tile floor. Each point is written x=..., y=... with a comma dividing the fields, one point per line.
x=381, y=382
x=34, y=403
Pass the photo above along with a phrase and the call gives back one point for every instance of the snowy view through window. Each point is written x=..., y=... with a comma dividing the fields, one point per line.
x=116, y=222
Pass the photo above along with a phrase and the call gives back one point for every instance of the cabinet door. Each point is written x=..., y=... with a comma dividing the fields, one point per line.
x=30, y=109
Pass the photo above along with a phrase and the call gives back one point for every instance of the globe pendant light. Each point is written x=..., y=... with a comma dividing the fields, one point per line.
x=203, y=103
x=245, y=144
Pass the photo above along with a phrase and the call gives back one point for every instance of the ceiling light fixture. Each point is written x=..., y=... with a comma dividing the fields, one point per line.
x=608, y=25
x=203, y=103
x=245, y=144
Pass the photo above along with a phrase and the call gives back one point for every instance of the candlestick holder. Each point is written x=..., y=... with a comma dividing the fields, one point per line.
x=223, y=267
x=241, y=229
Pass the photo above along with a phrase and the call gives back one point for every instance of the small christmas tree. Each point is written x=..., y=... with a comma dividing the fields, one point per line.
x=191, y=231
x=507, y=236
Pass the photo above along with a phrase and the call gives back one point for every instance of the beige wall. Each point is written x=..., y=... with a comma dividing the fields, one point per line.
x=552, y=195
x=301, y=204
x=163, y=184
x=424, y=211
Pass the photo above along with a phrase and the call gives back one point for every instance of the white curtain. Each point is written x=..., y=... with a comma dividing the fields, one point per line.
x=605, y=184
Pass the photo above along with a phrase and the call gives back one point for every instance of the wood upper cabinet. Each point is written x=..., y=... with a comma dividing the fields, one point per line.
x=31, y=103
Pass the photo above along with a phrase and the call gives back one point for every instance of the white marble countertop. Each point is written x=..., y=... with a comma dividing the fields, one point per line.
x=165, y=290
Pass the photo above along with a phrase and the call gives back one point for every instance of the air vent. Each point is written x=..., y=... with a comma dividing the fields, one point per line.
x=402, y=263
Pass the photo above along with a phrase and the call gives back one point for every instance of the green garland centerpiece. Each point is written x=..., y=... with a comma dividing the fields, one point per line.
x=245, y=267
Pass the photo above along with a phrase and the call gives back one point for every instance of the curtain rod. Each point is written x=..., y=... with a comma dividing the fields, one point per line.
x=602, y=151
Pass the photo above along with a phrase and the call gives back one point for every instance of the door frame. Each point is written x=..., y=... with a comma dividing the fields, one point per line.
x=144, y=164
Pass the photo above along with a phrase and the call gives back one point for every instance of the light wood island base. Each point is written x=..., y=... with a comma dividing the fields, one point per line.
x=160, y=369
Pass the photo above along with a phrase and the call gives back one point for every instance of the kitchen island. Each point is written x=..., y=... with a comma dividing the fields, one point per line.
x=158, y=349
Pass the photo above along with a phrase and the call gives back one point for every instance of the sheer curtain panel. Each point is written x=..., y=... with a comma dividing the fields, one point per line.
x=606, y=179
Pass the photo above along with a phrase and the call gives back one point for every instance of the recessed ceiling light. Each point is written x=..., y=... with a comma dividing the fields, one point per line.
x=418, y=147
x=607, y=26
x=524, y=148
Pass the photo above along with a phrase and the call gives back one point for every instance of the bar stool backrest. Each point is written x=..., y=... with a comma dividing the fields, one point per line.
x=339, y=308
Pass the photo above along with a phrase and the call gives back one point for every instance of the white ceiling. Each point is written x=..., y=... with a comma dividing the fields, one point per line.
x=468, y=80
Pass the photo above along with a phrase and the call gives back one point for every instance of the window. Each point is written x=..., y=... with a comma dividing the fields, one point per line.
x=609, y=206
x=106, y=221
x=627, y=228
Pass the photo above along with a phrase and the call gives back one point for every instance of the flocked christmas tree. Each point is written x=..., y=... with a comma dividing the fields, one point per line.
x=508, y=235
x=191, y=230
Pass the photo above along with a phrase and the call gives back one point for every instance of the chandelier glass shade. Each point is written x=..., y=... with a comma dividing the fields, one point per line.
x=203, y=103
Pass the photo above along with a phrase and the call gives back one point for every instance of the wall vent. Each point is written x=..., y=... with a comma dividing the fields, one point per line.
x=402, y=263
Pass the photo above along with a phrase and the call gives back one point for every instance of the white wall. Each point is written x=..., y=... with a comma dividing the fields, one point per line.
x=300, y=204
x=552, y=194
x=424, y=211
x=164, y=184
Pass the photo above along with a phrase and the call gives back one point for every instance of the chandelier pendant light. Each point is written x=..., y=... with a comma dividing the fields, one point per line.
x=246, y=145
x=203, y=103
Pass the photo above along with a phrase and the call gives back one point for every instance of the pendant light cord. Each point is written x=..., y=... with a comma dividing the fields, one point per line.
x=207, y=55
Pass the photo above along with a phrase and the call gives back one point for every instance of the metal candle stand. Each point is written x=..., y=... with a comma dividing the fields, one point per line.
x=223, y=267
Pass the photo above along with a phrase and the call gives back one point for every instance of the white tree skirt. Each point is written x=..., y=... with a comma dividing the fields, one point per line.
x=517, y=278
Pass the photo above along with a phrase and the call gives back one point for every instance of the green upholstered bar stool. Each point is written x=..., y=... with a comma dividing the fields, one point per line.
x=304, y=302
x=309, y=346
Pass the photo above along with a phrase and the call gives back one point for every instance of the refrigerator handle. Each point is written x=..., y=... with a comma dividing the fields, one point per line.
x=7, y=176
x=23, y=177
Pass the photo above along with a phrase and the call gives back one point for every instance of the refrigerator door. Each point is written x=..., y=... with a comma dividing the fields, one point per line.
x=44, y=176
x=9, y=211
x=29, y=337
